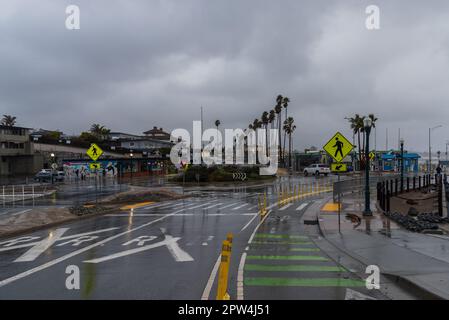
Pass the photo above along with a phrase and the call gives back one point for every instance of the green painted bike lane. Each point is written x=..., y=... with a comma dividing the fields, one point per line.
x=282, y=262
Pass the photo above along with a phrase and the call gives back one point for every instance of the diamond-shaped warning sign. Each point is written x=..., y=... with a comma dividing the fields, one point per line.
x=338, y=147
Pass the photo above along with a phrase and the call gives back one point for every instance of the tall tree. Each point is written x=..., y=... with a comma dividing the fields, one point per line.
x=289, y=128
x=8, y=120
x=278, y=110
x=285, y=102
x=264, y=120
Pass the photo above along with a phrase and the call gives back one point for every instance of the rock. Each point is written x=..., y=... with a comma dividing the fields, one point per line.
x=412, y=212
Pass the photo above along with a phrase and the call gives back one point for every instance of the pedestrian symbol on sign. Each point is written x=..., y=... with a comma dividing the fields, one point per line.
x=94, y=152
x=339, y=145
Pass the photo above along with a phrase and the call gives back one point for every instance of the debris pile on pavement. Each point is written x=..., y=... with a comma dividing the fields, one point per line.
x=85, y=210
x=411, y=223
x=432, y=217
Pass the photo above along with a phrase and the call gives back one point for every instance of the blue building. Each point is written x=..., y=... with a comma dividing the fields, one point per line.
x=391, y=161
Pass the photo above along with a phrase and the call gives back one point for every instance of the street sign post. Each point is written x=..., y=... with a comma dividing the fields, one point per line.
x=95, y=166
x=339, y=167
x=338, y=147
x=94, y=152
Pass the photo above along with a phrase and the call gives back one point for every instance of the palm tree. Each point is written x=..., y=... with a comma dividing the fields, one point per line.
x=271, y=118
x=8, y=121
x=217, y=124
x=99, y=131
x=357, y=127
x=278, y=110
x=289, y=127
x=285, y=102
x=264, y=121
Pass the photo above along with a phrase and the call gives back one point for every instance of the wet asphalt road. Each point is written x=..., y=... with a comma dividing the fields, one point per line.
x=169, y=250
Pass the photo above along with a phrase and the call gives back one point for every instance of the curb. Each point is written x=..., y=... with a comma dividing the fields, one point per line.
x=419, y=287
x=75, y=218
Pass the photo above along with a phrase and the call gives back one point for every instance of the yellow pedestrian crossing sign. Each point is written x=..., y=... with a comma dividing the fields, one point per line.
x=338, y=147
x=339, y=167
x=371, y=155
x=95, y=166
x=94, y=152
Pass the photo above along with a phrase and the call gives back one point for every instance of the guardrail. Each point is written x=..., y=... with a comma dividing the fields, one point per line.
x=14, y=193
x=357, y=185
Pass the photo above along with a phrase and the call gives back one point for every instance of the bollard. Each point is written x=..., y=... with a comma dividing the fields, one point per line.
x=224, y=270
x=388, y=201
x=396, y=183
x=408, y=184
x=391, y=186
x=419, y=182
x=414, y=183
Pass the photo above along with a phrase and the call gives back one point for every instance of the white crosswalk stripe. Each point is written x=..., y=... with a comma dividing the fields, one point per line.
x=243, y=205
x=285, y=207
x=302, y=206
x=227, y=206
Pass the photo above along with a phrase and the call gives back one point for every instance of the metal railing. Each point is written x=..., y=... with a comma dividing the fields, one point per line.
x=14, y=193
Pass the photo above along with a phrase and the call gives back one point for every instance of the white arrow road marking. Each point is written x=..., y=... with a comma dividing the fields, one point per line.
x=74, y=253
x=140, y=240
x=12, y=242
x=302, y=206
x=355, y=295
x=41, y=246
x=77, y=241
x=9, y=244
x=171, y=242
x=243, y=205
x=285, y=207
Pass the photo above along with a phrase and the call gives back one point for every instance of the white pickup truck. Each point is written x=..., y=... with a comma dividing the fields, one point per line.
x=317, y=169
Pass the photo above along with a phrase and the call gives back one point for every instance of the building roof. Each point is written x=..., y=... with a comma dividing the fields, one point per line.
x=156, y=130
x=13, y=127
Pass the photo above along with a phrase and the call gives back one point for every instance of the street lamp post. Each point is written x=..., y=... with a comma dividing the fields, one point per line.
x=132, y=165
x=402, y=165
x=367, y=124
x=430, y=149
x=52, y=155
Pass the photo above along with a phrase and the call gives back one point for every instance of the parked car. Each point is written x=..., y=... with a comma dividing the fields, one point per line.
x=46, y=176
x=317, y=169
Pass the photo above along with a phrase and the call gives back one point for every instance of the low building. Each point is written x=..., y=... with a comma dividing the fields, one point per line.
x=17, y=152
x=158, y=134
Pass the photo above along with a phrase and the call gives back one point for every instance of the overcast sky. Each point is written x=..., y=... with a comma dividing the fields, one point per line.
x=138, y=64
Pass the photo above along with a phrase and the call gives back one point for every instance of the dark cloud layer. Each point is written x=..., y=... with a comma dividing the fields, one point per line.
x=135, y=64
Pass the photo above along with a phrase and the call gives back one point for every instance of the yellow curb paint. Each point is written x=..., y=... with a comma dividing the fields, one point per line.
x=330, y=206
x=136, y=205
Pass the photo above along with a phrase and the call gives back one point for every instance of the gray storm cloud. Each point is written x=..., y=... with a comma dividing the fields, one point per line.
x=135, y=64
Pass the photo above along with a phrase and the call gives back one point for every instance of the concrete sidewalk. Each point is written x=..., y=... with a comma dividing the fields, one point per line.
x=421, y=261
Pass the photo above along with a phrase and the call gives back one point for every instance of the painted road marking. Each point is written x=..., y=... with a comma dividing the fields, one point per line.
x=178, y=215
x=136, y=205
x=20, y=212
x=296, y=258
x=8, y=244
x=279, y=236
x=227, y=206
x=281, y=242
x=201, y=205
x=41, y=246
x=249, y=222
x=171, y=242
x=302, y=206
x=304, y=282
x=293, y=268
x=239, y=207
x=330, y=206
x=74, y=253
x=210, y=281
x=304, y=249
x=285, y=207
x=355, y=295
x=212, y=206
